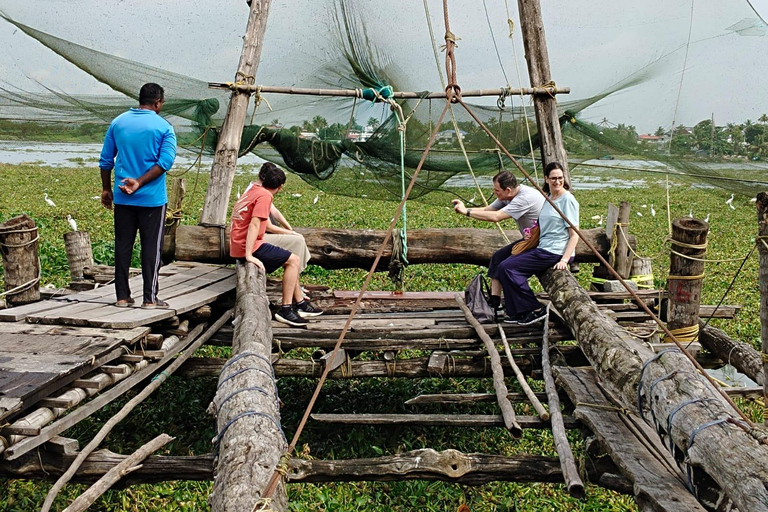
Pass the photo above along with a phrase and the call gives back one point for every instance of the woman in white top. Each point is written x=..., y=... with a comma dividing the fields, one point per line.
x=557, y=243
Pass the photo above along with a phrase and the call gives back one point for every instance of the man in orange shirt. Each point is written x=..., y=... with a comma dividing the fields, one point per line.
x=246, y=243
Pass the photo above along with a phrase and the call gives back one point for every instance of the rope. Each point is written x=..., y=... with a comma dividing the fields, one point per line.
x=684, y=334
x=685, y=278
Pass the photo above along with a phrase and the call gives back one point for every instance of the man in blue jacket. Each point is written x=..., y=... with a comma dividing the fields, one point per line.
x=140, y=146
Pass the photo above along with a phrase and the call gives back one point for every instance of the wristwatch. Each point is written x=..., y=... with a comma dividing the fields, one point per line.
x=469, y=210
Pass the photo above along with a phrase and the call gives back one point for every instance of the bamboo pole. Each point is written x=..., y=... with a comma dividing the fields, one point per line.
x=507, y=411
x=357, y=93
x=225, y=158
x=540, y=410
x=762, y=248
x=567, y=462
x=128, y=465
x=127, y=408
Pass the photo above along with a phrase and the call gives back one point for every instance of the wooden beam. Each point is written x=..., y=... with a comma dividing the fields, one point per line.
x=250, y=440
x=231, y=133
x=354, y=248
x=545, y=107
x=438, y=420
x=762, y=248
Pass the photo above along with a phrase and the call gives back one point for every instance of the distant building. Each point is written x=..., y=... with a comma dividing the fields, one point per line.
x=654, y=139
x=308, y=135
x=448, y=136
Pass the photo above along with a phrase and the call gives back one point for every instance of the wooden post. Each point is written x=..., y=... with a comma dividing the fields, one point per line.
x=685, y=274
x=537, y=57
x=621, y=260
x=507, y=411
x=18, y=247
x=762, y=248
x=230, y=135
x=250, y=441
x=77, y=244
x=642, y=271
x=173, y=218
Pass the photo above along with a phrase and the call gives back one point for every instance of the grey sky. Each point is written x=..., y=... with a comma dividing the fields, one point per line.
x=724, y=76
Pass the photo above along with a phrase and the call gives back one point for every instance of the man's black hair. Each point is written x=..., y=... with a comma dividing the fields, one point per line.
x=150, y=93
x=271, y=176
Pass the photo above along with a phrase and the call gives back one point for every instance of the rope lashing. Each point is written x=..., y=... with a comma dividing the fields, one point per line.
x=243, y=370
x=615, y=238
x=250, y=388
x=684, y=334
x=675, y=411
x=380, y=94
x=162, y=376
x=685, y=278
x=220, y=435
x=640, y=279
x=642, y=371
x=550, y=87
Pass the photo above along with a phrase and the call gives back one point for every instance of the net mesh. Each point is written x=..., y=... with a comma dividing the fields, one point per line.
x=660, y=64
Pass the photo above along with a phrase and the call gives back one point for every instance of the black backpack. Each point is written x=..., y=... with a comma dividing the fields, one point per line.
x=477, y=297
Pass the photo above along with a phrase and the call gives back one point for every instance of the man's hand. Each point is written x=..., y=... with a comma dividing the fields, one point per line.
x=458, y=207
x=256, y=261
x=129, y=185
x=106, y=199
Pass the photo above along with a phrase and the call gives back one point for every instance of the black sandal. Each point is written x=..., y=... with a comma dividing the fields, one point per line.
x=158, y=304
x=124, y=303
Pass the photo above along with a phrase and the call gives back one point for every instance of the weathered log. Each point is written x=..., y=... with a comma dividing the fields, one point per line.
x=77, y=245
x=507, y=411
x=740, y=355
x=231, y=133
x=348, y=248
x=670, y=385
x=18, y=247
x=567, y=462
x=537, y=58
x=762, y=247
x=414, y=368
x=642, y=272
x=472, y=469
x=688, y=246
x=621, y=259
x=173, y=218
x=127, y=466
x=543, y=414
x=250, y=439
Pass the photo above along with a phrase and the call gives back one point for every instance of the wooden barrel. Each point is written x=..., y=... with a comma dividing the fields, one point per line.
x=19, y=249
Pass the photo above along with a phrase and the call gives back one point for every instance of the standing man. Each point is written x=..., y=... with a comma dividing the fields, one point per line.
x=520, y=202
x=140, y=146
x=250, y=216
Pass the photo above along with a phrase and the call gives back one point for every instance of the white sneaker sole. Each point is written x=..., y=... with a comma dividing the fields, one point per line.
x=304, y=314
x=289, y=322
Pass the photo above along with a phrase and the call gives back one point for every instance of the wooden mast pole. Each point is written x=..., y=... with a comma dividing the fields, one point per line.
x=537, y=57
x=225, y=159
x=762, y=248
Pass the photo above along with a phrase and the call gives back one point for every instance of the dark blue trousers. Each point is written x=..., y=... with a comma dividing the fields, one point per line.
x=514, y=272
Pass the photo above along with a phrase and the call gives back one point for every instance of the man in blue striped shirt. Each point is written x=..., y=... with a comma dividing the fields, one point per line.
x=140, y=146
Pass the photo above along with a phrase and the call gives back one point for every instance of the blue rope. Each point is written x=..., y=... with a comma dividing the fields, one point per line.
x=241, y=355
x=220, y=435
x=243, y=370
x=688, y=467
x=251, y=388
x=640, y=379
x=675, y=411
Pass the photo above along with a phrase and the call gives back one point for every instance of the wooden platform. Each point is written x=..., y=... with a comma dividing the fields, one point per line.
x=185, y=286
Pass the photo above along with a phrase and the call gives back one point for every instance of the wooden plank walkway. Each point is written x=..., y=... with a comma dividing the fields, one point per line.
x=185, y=286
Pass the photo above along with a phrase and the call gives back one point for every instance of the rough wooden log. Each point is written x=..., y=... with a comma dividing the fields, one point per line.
x=77, y=245
x=21, y=265
x=413, y=368
x=245, y=404
x=231, y=132
x=437, y=420
x=537, y=58
x=349, y=248
x=740, y=355
x=567, y=462
x=762, y=231
x=127, y=466
x=689, y=239
x=173, y=218
x=428, y=465
x=731, y=457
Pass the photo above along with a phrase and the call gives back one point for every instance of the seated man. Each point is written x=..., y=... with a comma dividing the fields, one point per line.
x=246, y=243
x=520, y=202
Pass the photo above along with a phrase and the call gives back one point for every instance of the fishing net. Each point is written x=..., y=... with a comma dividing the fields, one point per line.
x=666, y=69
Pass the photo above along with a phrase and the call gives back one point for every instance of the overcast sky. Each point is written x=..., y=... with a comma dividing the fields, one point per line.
x=203, y=39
